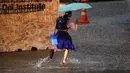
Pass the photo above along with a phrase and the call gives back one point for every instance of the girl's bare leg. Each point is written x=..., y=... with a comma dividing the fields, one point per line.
x=65, y=55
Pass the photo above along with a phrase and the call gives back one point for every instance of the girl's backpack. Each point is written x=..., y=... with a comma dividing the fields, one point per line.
x=61, y=23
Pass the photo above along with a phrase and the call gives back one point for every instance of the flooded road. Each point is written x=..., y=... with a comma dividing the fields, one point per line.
x=37, y=62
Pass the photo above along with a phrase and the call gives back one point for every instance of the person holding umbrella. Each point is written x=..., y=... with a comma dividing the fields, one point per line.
x=64, y=42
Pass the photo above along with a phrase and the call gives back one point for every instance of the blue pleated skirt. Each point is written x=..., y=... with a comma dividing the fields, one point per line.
x=64, y=40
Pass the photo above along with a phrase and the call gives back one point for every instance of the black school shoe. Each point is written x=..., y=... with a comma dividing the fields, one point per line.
x=51, y=53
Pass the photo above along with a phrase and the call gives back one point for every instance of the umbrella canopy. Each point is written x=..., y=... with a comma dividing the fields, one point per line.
x=74, y=6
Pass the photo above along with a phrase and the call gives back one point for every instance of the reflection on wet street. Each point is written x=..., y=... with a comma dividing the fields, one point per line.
x=102, y=46
x=34, y=62
x=37, y=62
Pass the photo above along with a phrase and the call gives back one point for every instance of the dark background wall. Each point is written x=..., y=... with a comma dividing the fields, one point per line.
x=103, y=0
x=88, y=0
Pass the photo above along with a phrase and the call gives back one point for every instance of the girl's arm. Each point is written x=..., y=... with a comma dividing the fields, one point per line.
x=73, y=25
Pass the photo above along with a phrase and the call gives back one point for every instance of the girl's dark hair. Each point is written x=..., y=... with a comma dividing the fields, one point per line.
x=67, y=15
x=68, y=12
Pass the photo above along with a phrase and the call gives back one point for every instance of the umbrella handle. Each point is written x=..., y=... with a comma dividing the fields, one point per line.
x=76, y=22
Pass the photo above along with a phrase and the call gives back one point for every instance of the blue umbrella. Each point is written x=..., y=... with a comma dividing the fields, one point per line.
x=74, y=6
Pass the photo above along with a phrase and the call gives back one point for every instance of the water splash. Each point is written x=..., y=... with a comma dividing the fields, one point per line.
x=73, y=60
x=44, y=60
x=55, y=67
